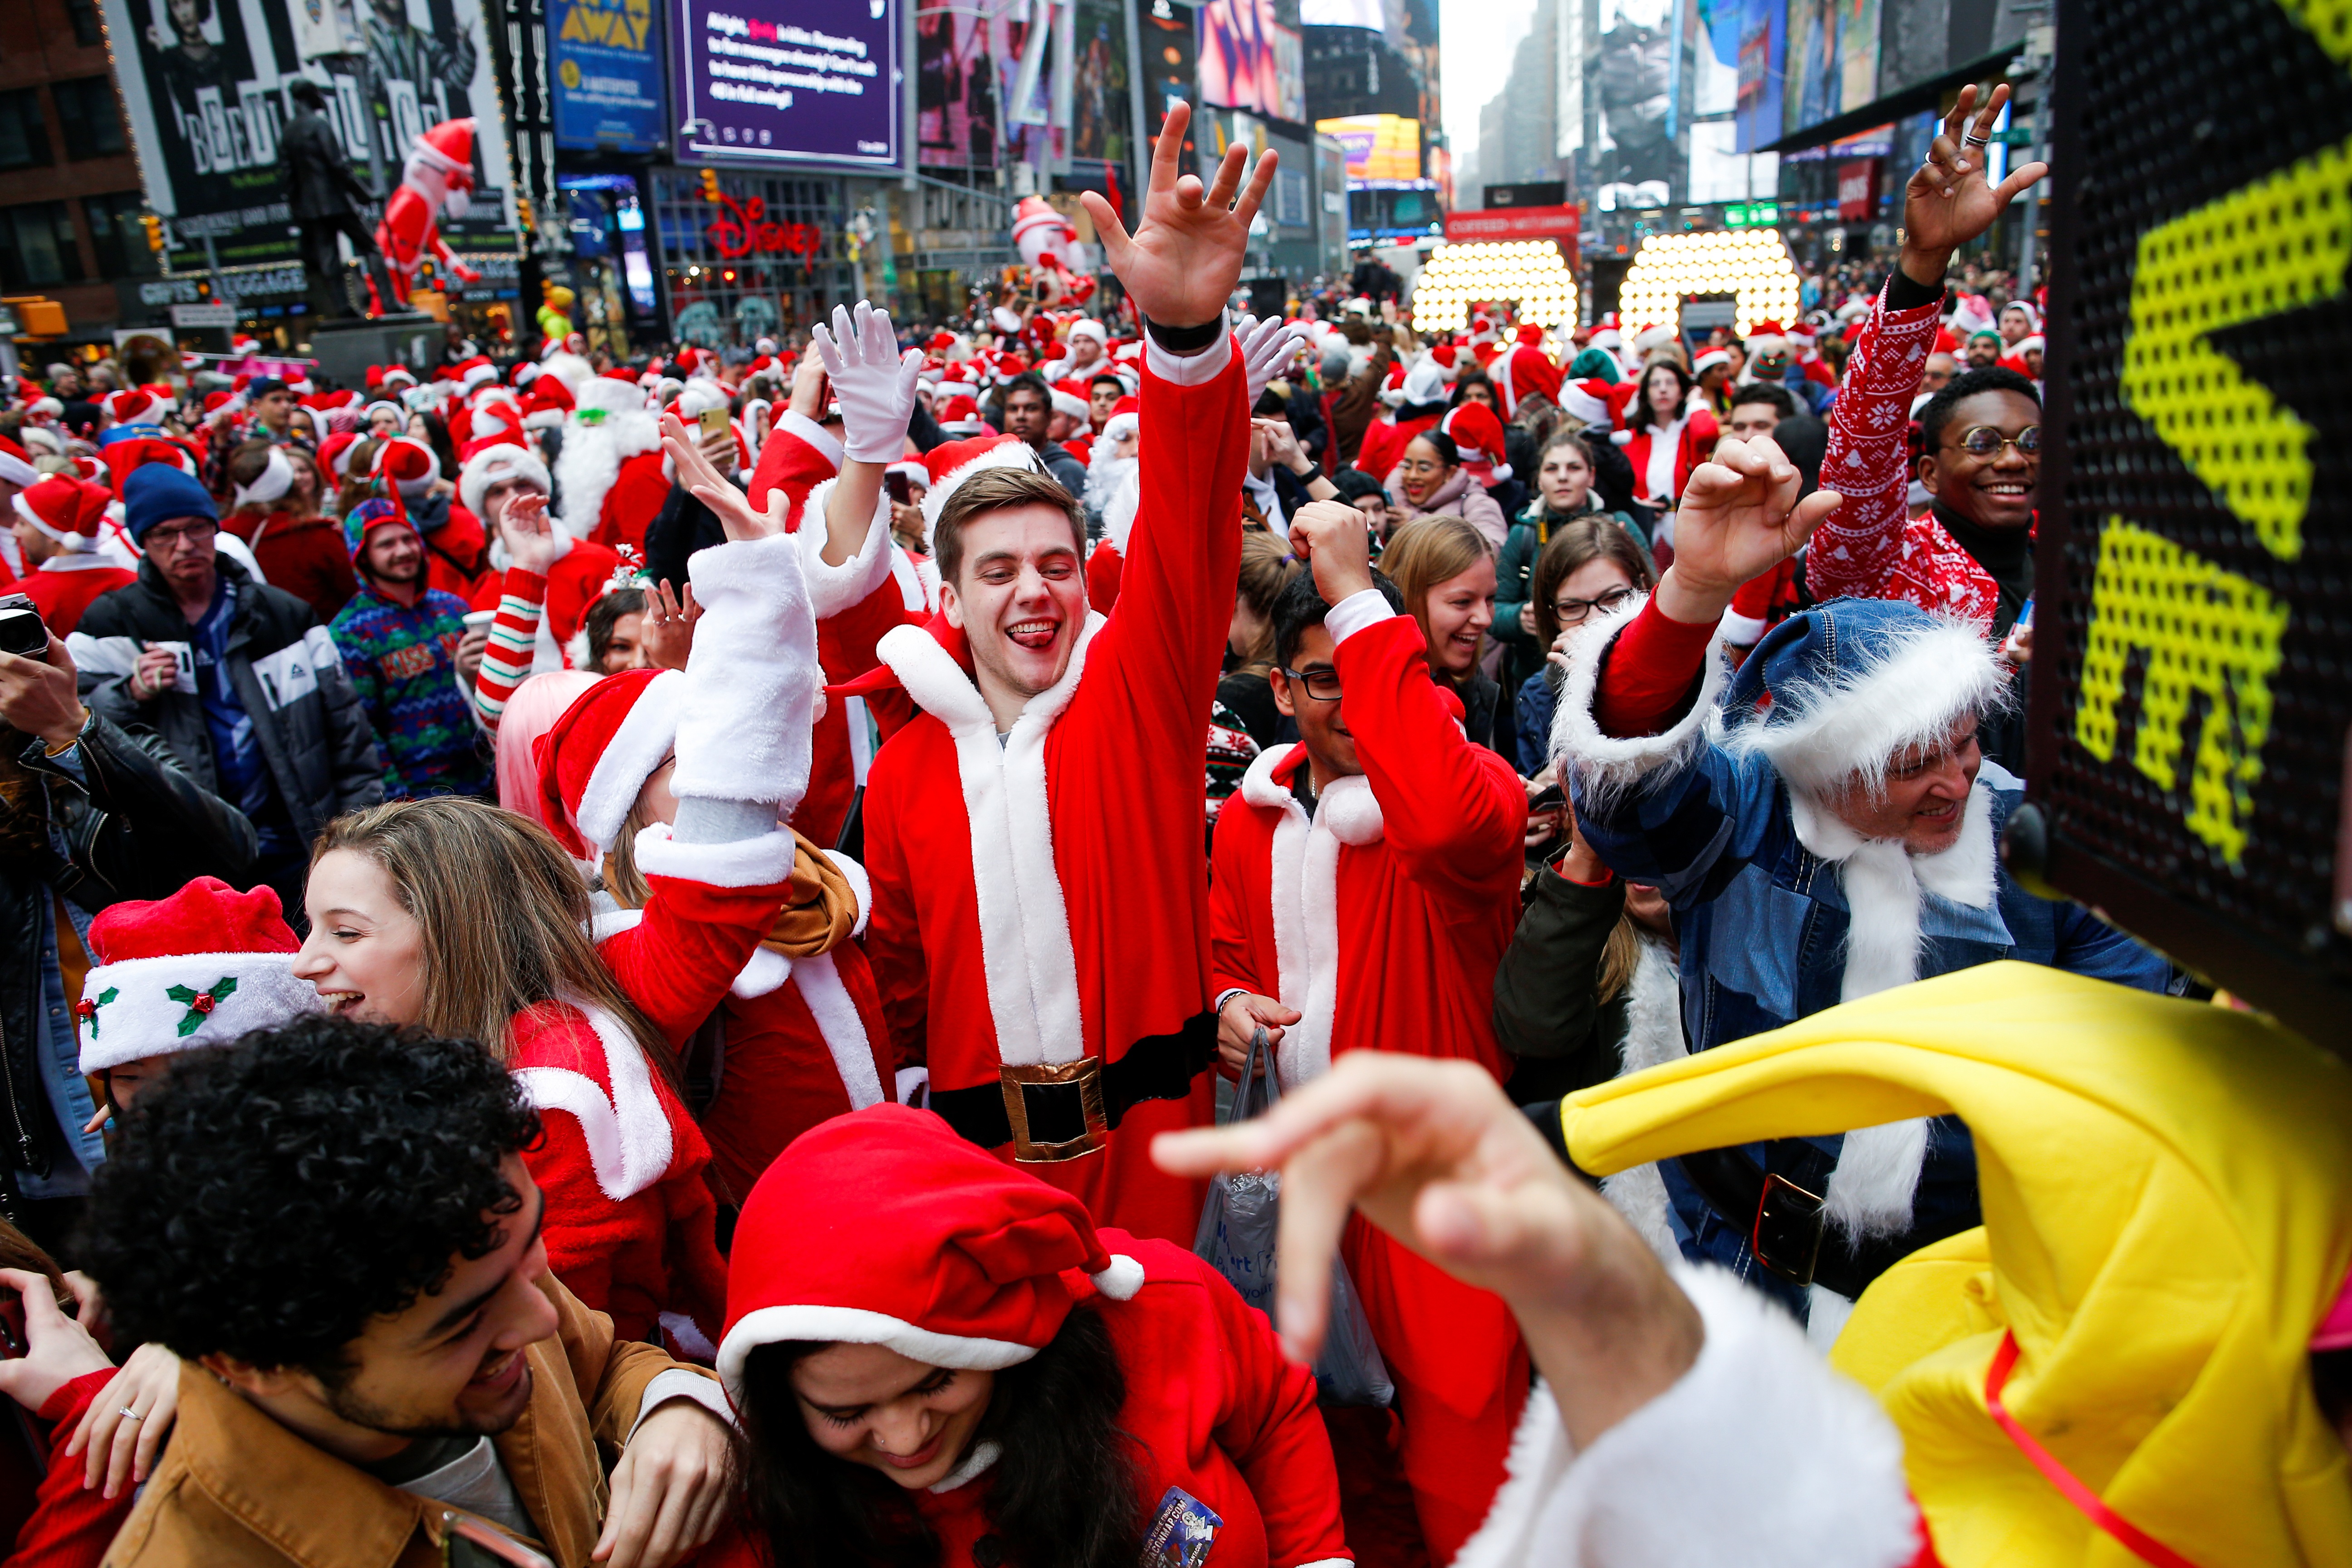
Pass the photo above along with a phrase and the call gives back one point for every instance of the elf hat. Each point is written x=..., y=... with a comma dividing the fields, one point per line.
x=886, y=1227
x=65, y=511
x=200, y=968
x=595, y=759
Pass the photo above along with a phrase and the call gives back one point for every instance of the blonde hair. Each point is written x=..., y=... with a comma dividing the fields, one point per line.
x=503, y=914
x=1268, y=568
x=1427, y=551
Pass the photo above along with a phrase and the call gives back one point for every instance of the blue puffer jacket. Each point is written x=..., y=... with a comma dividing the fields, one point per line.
x=1763, y=923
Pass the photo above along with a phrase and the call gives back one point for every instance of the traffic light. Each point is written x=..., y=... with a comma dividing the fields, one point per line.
x=154, y=226
x=711, y=186
x=522, y=208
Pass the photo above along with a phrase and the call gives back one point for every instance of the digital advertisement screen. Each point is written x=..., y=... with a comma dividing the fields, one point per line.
x=761, y=81
x=607, y=74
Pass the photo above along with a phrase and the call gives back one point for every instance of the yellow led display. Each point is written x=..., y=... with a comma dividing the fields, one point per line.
x=1530, y=272
x=1751, y=264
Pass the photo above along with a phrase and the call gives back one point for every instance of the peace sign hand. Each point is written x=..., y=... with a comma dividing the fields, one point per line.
x=1948, y=202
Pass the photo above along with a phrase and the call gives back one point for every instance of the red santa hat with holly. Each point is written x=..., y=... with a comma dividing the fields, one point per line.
x=884, y=1227
x=200, y=968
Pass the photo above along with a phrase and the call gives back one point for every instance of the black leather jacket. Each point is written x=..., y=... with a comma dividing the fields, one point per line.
x=134, y=826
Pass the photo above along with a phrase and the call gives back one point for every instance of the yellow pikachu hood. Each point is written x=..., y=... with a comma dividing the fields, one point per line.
x=2168, y=1205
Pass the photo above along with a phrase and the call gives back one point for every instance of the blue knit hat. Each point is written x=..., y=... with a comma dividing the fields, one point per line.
x=158, y=492
x=1841, y=688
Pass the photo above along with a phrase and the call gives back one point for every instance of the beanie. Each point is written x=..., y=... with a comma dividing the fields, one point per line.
x=157, y=493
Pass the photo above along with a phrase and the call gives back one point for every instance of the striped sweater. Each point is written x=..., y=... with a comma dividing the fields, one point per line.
x=514, y=639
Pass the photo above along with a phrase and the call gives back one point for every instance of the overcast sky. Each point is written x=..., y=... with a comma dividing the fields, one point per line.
x=1477, y=37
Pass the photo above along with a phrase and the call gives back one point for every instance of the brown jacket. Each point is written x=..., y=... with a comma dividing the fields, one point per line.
x=235, y=1487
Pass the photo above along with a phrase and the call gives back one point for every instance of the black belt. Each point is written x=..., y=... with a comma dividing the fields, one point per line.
x=1064, y=1114
x=1784, y=1209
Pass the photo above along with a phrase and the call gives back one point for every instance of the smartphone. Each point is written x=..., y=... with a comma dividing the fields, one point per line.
x=714, y=421
x=900, y=491
x=21, y=631
x=12, y=1324
x=1549, y=799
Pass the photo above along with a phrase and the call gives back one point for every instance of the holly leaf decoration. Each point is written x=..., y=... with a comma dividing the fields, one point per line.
x=200, y=1002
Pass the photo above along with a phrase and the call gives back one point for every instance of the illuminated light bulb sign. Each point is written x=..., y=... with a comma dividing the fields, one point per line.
x=1457, y=277
x=1751, y=264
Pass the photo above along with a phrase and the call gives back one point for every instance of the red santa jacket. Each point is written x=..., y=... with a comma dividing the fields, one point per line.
x=1213, y=1408
x=574, y=583
x=1043, y=897
x=458, y=555
x=307, y=557
x=1103, y=568
x=1695, y=445
x=637, y=493
x=66, y=584
x=804, y=1039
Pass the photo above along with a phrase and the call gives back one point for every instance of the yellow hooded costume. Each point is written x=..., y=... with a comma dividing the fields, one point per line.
x=2167, y=1205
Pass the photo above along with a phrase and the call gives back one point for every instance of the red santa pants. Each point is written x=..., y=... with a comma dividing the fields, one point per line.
x=1461, y=1375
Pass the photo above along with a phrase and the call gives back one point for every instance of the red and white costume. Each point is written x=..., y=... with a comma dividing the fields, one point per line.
x=1039, y=898
x=71, y=514
x=886, y=1228
x=437, y=177
x=1870, y=547
x=609, y=475
x=1692, y=439
x=1381, y=920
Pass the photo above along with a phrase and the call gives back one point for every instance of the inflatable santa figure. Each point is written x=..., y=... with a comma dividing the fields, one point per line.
x=438, y=178
x=1047, y=243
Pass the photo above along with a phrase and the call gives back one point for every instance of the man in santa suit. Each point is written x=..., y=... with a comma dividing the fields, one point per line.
x=57, y=530
x=609, y=470
x=546, y=578
x=1033, y=836
x=1363, y=893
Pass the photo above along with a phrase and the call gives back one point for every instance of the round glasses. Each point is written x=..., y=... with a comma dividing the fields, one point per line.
x=1985, y=440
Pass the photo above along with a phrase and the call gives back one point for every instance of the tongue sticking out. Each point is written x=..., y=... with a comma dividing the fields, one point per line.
x=1033, y=634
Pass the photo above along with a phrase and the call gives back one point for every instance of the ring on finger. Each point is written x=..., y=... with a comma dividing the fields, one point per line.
x=129, y=1415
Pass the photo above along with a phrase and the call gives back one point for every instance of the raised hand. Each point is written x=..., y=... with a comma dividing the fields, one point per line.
x=524, y=529
x=1948, y=202
x=1334, y=540
x=706, y=484
x=1185, y=256
x=808, y=398
x=1738, y=519
x=873, y=385
x=1267, y=349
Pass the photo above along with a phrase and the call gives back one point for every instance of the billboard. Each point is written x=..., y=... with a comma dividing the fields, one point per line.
x=1831, y=60
x=1099, y=122
x=1249, y=60
x=1171, y=55
x=1369, y=14
x=607, y=76
x=773, y=81
x=205, y=85
x=1558, y=223
x=1379, y=146
x=1763, y=58
x=966, y=65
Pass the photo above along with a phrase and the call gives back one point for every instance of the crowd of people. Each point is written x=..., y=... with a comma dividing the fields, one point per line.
x=645, y=960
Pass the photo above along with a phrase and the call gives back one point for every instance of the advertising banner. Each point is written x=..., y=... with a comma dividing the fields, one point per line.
x=1100, y=126
x=965, y=67
x=1171, y=58
x=1249, y=60
x=1516, y=223
x=1379, y=146
x=1763, y=58
x=1832, y=60
x=204, y=83
x=608, y=75
x=1857, y=188
x=773, y=81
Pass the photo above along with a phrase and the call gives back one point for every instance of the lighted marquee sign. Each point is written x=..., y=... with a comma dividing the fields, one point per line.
x=1752, y=264
x=1530, y=272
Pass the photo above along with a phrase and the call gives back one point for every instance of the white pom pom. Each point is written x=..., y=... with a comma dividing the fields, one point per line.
x=1621, y=437
x=1353, y=811
x=1122, y=1280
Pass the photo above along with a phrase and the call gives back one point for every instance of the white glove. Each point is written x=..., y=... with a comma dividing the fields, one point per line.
x=1268, y=348
x=873, y=385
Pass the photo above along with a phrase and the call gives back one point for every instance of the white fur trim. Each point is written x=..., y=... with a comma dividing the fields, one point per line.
x=857, y=1326
x=142, y=1021
x=1617, y=764
x=830, y=1004
x=1745, y=631
x=745, y=721
x=590, y=463
x=763, y=862
x=1760, y=1456
x=605, y=394
x=1025, y=951
x=1191, y=370
x=1654, y=1035
x=1121, y=1279
x=1930, y=678
x=912, y=1085
x=645, y=738
x=1364, y=608
x=859, y=882
x=1003, y=455
x=1304, y=898
x=762, y=974
x=568, y=368
x=627, y=1132
x=975, y=1465
x=833, y=589
x=801, y=426
x=1121, y=506
x=491, y=464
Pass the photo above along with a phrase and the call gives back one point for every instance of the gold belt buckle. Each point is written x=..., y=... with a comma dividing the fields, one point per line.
x=1086, y=1073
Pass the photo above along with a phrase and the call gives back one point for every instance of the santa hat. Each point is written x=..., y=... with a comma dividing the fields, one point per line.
x=131, y=406
x=67, y=510
x=396, y=376
x=1425, y=383
x=16, y=464
x=1068, y=403
x=886, y=1227
x=473, y=372
x=612, y=393
x=494, y=461
x=564, y=367
x=549, y=402
x=1709, y=360
x=335, y=451
x=1479, y=436
x=200, y=968
x=1597, y=402
x=277, y=477
x=958, y=414
x=955, y=461
x=408, y=464
x=449, y=147
x=1531, y=334
x=913, y=470
x=595, y=759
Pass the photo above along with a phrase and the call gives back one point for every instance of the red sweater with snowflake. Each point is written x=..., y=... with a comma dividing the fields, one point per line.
x=1042, y=896
x=1870, y=548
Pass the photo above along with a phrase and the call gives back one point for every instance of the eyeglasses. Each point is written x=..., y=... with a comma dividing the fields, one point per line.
x=1323, y=685
x=1572, y=612
x=166, y=538
x=1986, y=440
